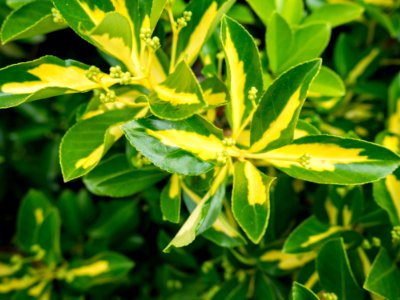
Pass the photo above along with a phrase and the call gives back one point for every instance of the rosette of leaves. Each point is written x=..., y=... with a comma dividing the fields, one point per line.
x=216, y=139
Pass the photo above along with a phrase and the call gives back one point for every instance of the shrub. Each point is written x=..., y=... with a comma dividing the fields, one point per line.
x=196, y=108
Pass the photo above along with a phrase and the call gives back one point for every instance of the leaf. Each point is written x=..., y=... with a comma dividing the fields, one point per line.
x=394, y=109
x=156, y=11
x=176, y=99
x=286, y=261
x=114, y=177
x=327, y=83
x=85, y=143
x=304, y=129
x=335, y=273
x=279, y=39
x=170, y=201
x=204, y=215
x=43, y=78
x=215, y=92
x=103, y=268
x=335, y=14
x=250, y=200
x=276, y=116
x=188, y=147
x=309, y=235
x=333, y=160
x=383, y=277
x=291, y=10
x=38, y=226
x=222, y=232
x=205, y=17
x=387, y=196
x=300, y=292
x=297, y=45
x=17, y=284
x=244, y=71
x=29, y=20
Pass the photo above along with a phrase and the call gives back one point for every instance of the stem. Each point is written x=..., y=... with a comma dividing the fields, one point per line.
x=312, y=280
x=175, y=35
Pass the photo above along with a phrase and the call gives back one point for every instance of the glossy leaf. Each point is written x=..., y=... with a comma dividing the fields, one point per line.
x=114, y=177
x=387, y=196
x=335, y=272
x=222, y=232
x=327, y=83
x=188, y=147
x=244, y=71
x=295, y=46
x=291, y=10
x=300, y=292
x=250, y=200
x=45, y=77
x=279, y=40
x=101, y=269
x=29, y=20
x=175, y=98
x=86, y=142
x=383, y=278
x=203, y=216
x=277, y=114
x=333, y=160
x=170, y=201
x=205, y=17
x=335, y=13
x=309, y=235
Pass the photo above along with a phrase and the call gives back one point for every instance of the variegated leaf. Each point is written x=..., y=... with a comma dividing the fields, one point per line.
x=250, y=200
x=29, y=20
x=333, y=160
x=204, y=215
x=170, y=202
x=86, y=142
x=287, y=261
x=103, y=268
x=275, y=120
x=205, y=17
x=222, y=232
x=175, y=98
x=244, y=72
x=309, y=235
x=394, y=107
x=215, y=92
x=189, y=147
x=45, y=77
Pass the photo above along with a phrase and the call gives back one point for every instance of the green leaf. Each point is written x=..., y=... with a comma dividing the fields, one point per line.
x=85, y=143
x=297, y=47
x=29, y=20
x=335, y=14
x=279, y=39
x=38, y=227
x=244, y=71
x=156, y=11
x=387, y=196
x=17, y=3
x=383, y=278
x=204, y=215
x=304, y=129
x=176, y=99
x=115, y=220
x=309, y=235
x=250, y=200
x=335, y=273
x=103, y=268
x=300, y=292
x=275, y=119
x=394, y=110
x=170, y=201
x=327, y=83
x=291, y=10
x=205, y=17
x=222, y=232
x=43, y=78
x=188, y=147
x=333, y=160
x=114, y=177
